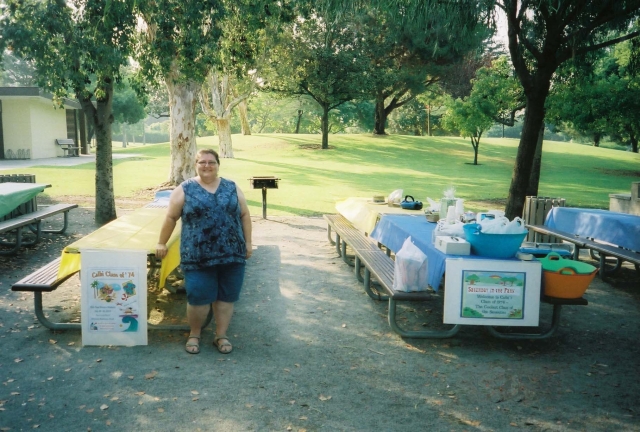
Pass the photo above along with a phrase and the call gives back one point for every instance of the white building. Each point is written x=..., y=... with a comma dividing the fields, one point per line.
x=30, y=123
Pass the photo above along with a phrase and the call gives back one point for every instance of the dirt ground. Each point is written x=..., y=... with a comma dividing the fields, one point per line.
x=312, y=352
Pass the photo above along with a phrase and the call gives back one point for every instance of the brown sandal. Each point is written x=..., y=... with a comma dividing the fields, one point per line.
x=195, y=345
x=221, y=345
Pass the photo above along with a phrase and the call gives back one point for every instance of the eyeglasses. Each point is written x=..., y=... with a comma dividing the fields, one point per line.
x=207, y=163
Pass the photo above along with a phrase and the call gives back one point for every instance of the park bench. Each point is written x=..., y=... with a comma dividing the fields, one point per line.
x=45, y=279
x=368, y=255
x=68, y=146
x=33, y=221
x=603, y=249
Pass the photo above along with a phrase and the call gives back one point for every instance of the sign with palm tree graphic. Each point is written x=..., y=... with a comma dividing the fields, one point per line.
x=114, y=297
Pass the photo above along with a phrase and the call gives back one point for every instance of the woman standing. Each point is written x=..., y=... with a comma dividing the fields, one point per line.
x=214, y=245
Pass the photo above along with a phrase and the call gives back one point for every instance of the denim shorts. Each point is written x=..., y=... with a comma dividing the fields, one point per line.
x=220, y=282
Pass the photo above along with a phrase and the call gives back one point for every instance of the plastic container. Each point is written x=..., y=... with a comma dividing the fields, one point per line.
x=554, y=262
x=541, y=250
x=492, y=245
x=565, y=278
x=566, y=283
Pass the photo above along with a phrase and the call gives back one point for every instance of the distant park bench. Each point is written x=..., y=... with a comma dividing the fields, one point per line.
x=68, y=146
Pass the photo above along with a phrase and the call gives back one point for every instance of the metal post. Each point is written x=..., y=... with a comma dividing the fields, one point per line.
x=264, y=203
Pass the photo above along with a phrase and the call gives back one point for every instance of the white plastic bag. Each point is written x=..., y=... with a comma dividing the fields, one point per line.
x=410, y=272
x=502, y=225
x=395, y=197
x=434, y=207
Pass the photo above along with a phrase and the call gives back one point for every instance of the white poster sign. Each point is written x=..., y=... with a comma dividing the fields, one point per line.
x=114, y=297
x=492, y=292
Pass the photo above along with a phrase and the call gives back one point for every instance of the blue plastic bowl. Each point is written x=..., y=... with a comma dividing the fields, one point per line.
x=492, y=245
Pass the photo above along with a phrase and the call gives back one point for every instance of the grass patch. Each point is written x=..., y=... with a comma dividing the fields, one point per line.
x=361, y=165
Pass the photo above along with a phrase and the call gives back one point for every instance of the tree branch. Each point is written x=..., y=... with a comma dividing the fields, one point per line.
x=568, y=53
x=517, y=57
x=512, y=116
x=601, y=19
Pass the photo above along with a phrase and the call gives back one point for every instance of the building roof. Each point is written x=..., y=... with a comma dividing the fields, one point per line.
x=35, y=92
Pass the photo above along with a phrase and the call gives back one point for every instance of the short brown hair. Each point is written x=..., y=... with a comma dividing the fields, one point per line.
x=207, y=151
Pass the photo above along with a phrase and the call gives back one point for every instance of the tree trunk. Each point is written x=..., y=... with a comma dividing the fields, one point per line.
x=428, y=120
x=101, y=118
x=182, y=134
x=124, y=135
x=634, y=143
x=597, y=136
x=475, y=143
x=224, y=137
x=244, y=119
x=300, y=112
x=380, y=117
x=325, y=127
x=533, y=118
x=536, y=165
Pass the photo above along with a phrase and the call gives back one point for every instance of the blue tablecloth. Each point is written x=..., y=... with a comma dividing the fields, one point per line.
x=620, y=229
x=393, y=230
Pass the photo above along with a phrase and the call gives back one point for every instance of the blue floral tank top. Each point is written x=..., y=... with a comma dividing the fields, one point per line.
x=211, y=227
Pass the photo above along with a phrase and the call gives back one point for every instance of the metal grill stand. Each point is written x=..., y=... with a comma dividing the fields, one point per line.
x=264, y=183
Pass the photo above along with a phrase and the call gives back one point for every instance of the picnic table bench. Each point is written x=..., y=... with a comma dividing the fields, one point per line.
x=376, y=262
x=33, y=221
x=47, y=279
x=367, y=254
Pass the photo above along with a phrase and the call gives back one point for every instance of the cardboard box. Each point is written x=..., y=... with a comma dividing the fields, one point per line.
x=453, y=245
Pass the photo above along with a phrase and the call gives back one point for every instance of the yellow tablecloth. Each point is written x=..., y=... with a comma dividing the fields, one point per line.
x=364, y=214
x=136, y=230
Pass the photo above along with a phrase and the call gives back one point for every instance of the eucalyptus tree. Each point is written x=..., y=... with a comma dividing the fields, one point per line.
x=219, y=96
x=77, y=49
x=182, y=43
x=542, y=35
x=177, y=46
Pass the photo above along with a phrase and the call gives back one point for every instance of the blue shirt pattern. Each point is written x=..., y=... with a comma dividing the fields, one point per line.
x=211, y=226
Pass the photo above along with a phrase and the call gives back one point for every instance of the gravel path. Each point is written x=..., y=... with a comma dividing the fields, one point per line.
x=313, y=353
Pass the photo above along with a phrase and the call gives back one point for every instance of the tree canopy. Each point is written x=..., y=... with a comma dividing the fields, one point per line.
x=77, y=51
x=543, y=35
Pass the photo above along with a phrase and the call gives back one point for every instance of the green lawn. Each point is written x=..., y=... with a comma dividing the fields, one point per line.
x=362, y=165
